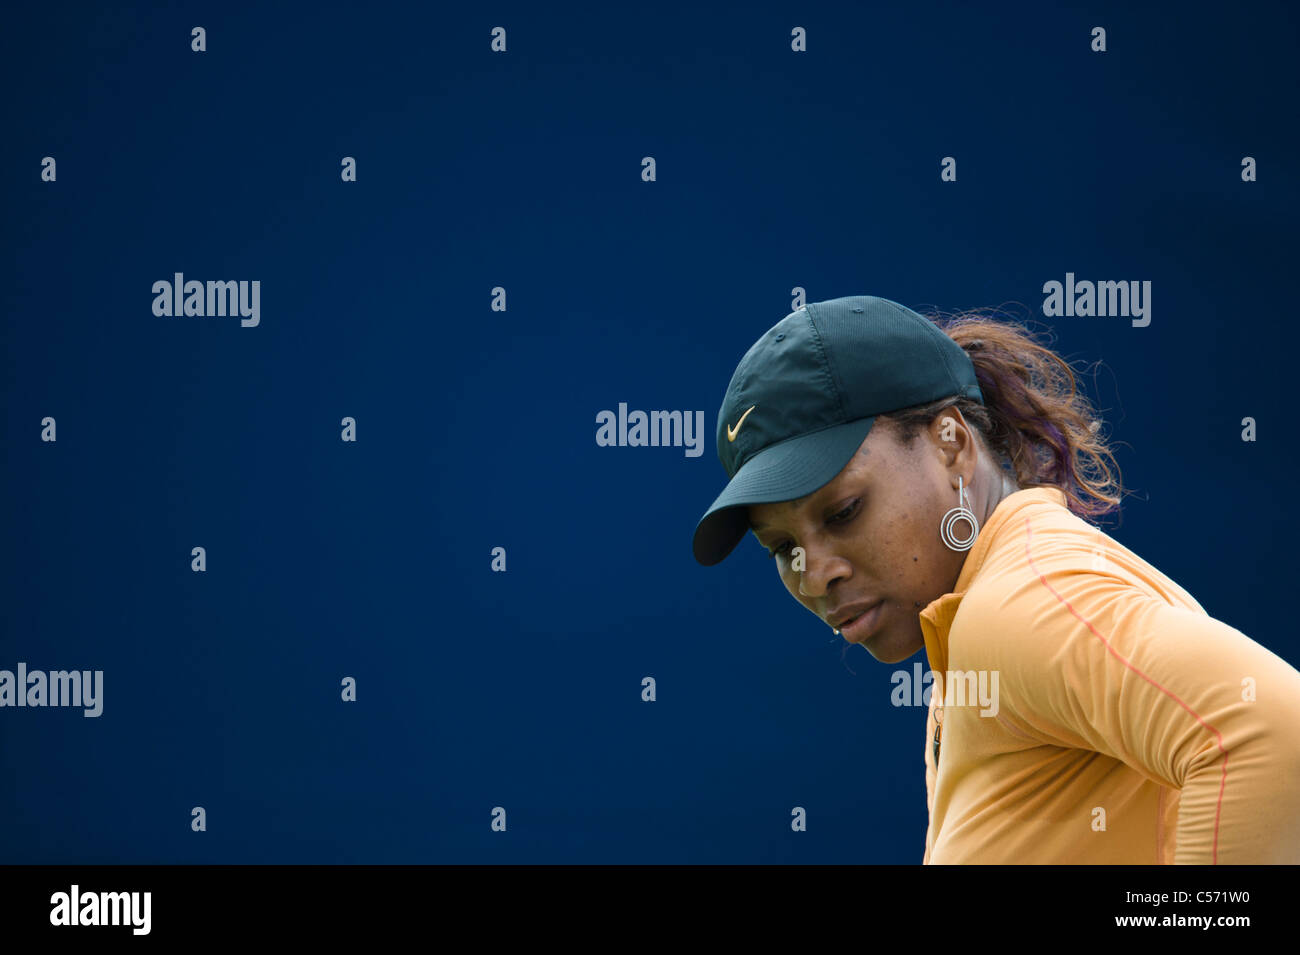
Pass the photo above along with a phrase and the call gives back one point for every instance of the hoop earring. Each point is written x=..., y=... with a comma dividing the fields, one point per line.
x=958, y=513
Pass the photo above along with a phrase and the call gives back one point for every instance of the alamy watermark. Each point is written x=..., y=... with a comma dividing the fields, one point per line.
x=1129, y=299
x=75, y=907
x=954, y=687
x=83, y=688
x=180, y=297
x=653, y=429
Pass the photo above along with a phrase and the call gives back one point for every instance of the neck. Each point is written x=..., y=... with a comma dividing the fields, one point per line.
x=999, y=485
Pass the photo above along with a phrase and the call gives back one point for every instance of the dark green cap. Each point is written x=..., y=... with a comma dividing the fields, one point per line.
x=804, y=397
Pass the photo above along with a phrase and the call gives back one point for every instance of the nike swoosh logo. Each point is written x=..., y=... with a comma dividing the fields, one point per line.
x=732, y=432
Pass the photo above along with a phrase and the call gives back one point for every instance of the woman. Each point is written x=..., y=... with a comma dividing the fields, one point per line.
x=925, y=486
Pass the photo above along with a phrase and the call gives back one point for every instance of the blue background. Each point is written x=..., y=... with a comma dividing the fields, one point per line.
x=476, y=428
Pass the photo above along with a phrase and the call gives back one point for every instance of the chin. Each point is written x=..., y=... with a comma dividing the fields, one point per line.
x=889, y=648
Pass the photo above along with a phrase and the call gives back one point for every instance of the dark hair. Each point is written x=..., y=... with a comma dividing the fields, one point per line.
x=1034, y=419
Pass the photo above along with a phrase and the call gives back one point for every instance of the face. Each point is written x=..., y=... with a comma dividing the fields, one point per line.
x=872, y=534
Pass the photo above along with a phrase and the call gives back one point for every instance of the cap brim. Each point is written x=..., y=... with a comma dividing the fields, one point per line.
x=782, y=472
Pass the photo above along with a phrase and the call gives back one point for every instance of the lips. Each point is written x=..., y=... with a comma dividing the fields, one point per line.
x=846, y=615
x=858, y=628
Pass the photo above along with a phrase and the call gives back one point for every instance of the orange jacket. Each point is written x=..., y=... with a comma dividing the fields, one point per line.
x=1119, y=724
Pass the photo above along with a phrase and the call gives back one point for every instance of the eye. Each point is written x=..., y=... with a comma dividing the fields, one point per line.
x=845, y=515
x=780, y=549
x=841, y=517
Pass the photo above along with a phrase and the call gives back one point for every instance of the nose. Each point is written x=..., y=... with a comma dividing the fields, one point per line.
x=818, y=573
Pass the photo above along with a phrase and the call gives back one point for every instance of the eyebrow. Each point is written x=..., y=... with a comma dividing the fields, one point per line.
x=794, y=506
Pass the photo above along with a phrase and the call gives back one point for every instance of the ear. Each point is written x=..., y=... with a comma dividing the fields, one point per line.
x=949, y=429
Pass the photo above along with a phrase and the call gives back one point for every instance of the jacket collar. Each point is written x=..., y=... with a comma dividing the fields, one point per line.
x=936, y=618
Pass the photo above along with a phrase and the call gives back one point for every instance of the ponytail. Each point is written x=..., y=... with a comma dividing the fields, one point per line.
x=1033, y=418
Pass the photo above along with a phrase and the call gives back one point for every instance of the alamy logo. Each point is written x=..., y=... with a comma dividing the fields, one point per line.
x=1125, y=298
x=180, y=297
x=952, y=688
x=102, y=908
x=669, y=429
x=57, y=688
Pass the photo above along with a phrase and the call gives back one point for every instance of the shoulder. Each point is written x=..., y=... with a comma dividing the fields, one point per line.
x=1053, y=586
